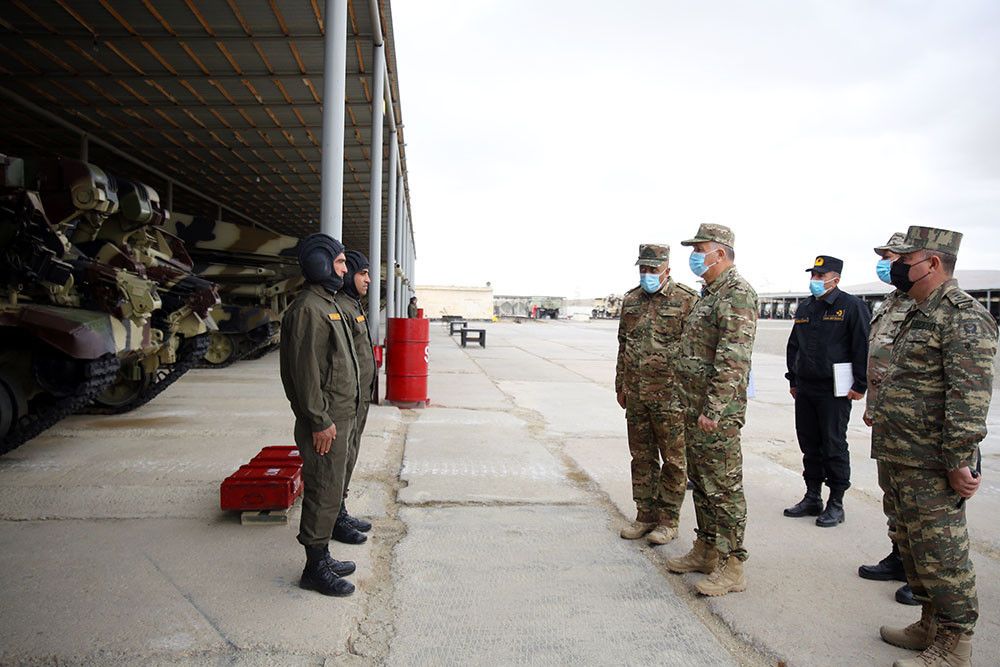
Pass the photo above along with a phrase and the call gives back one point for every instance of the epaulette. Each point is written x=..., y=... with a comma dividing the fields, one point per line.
x=959, y=298
x=689, y=290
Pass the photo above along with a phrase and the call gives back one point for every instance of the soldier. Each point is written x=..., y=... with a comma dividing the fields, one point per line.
x=648, y=338
x=928, y=419
x=411, y=309
x=884, y=327
x=713, y=370
x=349, y=529
x=831, y=327
x=319, y=372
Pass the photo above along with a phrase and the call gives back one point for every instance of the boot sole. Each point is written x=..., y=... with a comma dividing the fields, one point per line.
x=659, y=542
x=881, y=577
x=680, y=570
x=829, y=525
x=309, y=587
x=351, y=541
x=716, y=594
x=794, y=515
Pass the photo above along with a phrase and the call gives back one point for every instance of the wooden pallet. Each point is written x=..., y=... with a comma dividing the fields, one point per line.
x=268, y=517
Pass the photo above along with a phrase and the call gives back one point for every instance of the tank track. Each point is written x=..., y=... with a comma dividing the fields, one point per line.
x=99, y=373
x=190, y=353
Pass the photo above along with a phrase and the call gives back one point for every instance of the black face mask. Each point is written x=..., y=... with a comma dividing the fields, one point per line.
x=899, y=275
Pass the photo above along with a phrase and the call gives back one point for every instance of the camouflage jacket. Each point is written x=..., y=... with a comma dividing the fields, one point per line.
x=355, y=315
x=319, y=368
x=930, y=410
x=884, y=329
x=714, y=364
x=649, y=335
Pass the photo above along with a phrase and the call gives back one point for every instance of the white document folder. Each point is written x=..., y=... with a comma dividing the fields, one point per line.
x=843, y=379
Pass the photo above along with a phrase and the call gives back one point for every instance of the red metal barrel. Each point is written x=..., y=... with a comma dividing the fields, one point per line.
x=420, y=312
x=407, y=353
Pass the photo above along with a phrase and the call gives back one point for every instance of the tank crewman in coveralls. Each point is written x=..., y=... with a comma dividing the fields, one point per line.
x=714, y=369
x=885, y=326
x=649, y=337
x=349, y=529
x=831, y=327
x=319, y=372
x=927, y=422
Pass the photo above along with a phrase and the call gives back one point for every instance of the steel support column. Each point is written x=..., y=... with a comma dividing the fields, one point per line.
x=398, y=224
x=334, y=93
x=390, y=228
x=375, y=191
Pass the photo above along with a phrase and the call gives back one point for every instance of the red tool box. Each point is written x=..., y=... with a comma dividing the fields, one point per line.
x=270, y=457
x=261, y=488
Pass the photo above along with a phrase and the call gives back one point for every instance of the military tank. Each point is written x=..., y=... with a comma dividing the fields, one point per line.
x=258, y=274
x=67, y=320
x=180, y=327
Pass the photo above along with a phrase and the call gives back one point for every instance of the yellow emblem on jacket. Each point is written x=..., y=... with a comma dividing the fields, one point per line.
x=360, y=318
x=335, y=317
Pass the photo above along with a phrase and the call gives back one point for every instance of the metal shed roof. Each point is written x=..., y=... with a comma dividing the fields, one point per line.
x=224, y=96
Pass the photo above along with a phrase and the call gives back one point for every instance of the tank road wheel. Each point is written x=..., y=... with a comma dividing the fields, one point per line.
x=122, y=392
x=220, y=349
x=8, y=410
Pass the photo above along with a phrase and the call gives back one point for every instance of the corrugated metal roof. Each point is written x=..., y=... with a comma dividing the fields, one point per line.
x=223, y=95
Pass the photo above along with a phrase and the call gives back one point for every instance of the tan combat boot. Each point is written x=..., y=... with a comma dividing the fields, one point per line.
x=727, y=578
x=662, y=534
x=916, y=636
x=644, y=522
x=703, y=557
x=951, y=648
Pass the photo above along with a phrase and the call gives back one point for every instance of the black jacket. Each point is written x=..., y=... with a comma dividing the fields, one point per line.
x=830, y=330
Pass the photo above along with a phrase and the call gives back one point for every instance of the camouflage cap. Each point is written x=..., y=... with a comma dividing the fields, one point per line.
x=653, y=254
x=895, y=239
x=710, y=232
x=928, y=238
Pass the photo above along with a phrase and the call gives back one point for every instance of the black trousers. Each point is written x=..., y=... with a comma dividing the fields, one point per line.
x=821, y=426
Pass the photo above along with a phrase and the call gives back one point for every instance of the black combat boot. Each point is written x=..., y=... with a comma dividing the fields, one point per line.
x=810, y=505
x=357, y=524
x=888, y=569
x=319, y=576
x=344, y=532
x=833, y=515
x=904, y=595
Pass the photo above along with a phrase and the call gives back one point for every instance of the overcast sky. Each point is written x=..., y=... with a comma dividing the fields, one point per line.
x=546, y=139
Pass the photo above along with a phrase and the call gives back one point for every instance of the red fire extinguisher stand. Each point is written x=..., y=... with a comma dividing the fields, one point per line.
x=407, y=342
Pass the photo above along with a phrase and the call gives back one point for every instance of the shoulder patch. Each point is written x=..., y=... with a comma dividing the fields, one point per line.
x=334, y=316
x=970, y=328
x=688, y=290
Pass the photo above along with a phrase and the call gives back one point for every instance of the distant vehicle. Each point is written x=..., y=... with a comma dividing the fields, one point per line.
x=548, y=306
x=607, y=308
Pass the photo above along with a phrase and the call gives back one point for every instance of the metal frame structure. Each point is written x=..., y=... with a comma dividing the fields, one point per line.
x=217, y=104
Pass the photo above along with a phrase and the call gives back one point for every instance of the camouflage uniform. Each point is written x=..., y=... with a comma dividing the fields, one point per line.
x=714, y=366
x=884, y=328
x=355, y=315
x=319, y=372
x=648, y=341
x=929, y=417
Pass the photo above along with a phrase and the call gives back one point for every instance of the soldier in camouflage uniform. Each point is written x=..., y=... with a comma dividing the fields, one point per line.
x=884, y=327
x=350, y=529
x=648, y=340
x=928, y=419
x=713, y=369
x=319, y=373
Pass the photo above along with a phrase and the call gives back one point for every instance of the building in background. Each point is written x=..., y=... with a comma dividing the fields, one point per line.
x=469, y=303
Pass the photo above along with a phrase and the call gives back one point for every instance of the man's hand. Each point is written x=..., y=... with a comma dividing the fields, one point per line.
x=962, y=481
x=323, y=440
x=707, y=425
x=854, y=396
x=794, y=391
x=621, y=399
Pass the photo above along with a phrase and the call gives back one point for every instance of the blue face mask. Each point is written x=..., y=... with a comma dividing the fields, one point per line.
x=697, y=264
x=650, y=282
x=817, y=287
x=883, y=268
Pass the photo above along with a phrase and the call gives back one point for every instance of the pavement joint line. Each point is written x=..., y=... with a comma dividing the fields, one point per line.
x=446, y=504
x=372, y=634
x=739, y=646
x=190, y=599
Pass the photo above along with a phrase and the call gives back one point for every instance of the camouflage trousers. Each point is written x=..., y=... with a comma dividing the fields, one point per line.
x=715, y=466
x=888, y=506
x=322, y=482
x=656, y=442
x=355, y=446
x=934, y=544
